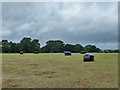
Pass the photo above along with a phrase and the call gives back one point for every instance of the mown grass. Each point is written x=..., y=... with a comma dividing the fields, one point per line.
x=55, y=70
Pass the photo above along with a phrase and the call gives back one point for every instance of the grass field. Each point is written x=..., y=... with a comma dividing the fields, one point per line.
x=50, y=70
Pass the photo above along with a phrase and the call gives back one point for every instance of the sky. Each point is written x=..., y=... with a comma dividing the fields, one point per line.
x=84, y=23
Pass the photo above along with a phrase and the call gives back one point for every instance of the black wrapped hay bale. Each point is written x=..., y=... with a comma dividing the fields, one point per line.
x=106, y=52
x=36, y=52
x=67, y=52
x=88, y=57
x=21, y=52
x=51, y=51
x=83, y=52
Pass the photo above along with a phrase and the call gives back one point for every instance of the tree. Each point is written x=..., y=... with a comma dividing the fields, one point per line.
x=35, y=45
x=26, y=45
x=69, y=47
x=77, y=48
x=54, y=46
x=43, y=49
x=14, y=47
x=5, y=46
x=112, y=51
x=73, y=48
x=91, y=48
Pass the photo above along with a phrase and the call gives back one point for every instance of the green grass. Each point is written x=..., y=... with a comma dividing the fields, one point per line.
x=50, y=70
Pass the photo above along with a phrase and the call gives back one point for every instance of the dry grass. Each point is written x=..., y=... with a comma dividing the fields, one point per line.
x=59, y=71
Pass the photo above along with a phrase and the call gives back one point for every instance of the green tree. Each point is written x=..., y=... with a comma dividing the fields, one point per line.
x=69, y=47
x=14, y=47
x=92, y=48
x=73, y=48
x=5, y=46
x=77, y=48
x=54, y=46
x=26, y=45
x=35, y=45
x=43, y=50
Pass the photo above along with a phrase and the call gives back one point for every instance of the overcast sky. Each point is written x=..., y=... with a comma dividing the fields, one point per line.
x=82, y=23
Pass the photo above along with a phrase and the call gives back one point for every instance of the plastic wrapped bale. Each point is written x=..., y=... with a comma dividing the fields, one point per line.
x=88, y=57
x=21, y=52
x=67, y=52
x=36, y=52
x=51, y=51
x=83, y=52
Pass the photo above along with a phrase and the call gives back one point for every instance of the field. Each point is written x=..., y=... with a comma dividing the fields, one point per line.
x=55, y=70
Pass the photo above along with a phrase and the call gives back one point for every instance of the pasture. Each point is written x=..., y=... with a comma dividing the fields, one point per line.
x=55, y=70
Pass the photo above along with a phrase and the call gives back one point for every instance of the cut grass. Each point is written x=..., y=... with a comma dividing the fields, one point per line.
x=55, y=70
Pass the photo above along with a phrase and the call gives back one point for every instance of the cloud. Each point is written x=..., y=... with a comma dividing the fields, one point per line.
x=6, y=33
x=83, y=23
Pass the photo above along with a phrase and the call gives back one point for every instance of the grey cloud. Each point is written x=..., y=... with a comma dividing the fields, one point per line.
x=83, y=23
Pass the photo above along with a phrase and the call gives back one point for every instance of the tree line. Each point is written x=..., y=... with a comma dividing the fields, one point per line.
x=28, y=45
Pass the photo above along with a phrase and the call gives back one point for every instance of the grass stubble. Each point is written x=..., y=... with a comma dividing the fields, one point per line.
x=55, y=70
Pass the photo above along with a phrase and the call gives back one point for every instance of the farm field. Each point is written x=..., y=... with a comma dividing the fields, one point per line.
x=55, y=70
